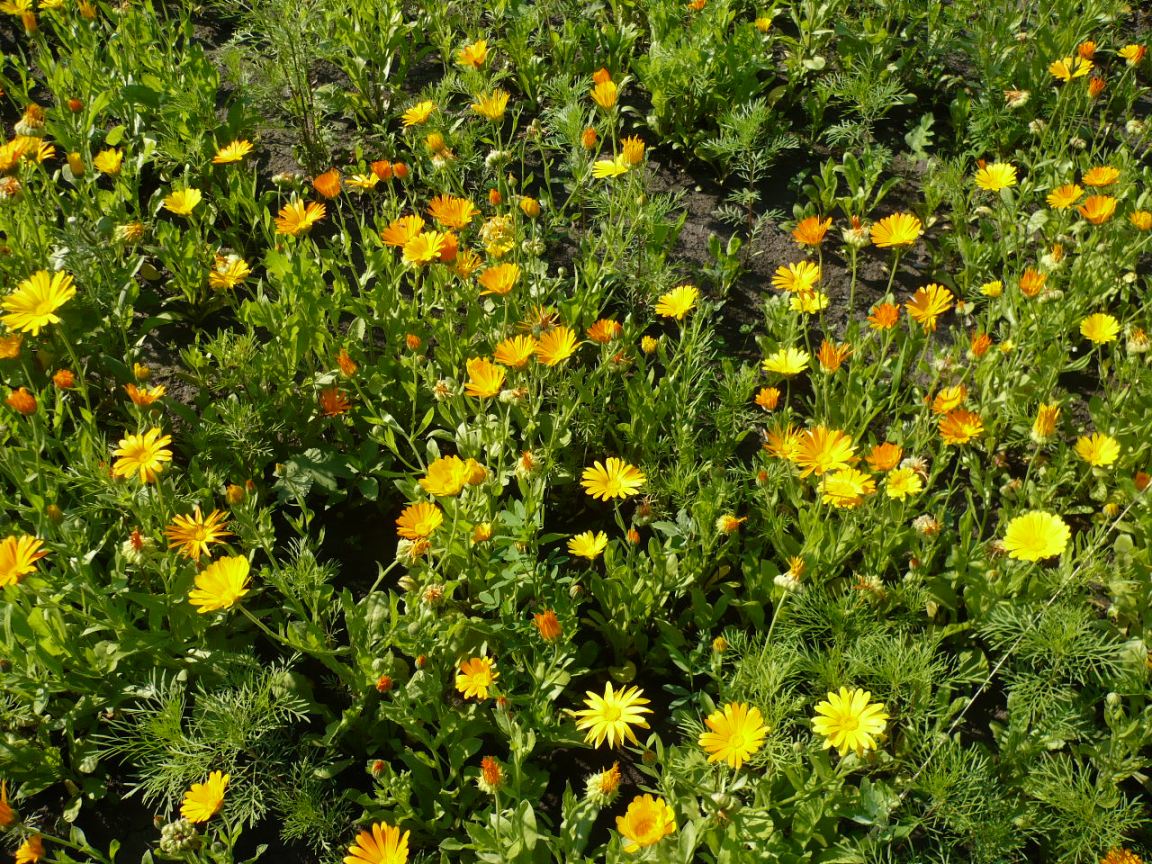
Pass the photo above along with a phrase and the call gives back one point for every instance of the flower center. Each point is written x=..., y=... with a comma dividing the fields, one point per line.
x=611, y=713
x=849, y=723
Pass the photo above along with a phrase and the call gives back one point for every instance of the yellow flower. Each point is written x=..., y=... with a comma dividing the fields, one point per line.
x=1045, y=423
x=31, y=850
x=498, y=236
x=735, y=732
x=1068, y=68
x=183, y=201
x=899, y=229
x=204, y=800
x=32, y=306
x=613, y=478
x=233, y=152
x=608, y=168
x=418, y=521
x=846, y=488
x=384, y=844
x=605, y=94
x=1097, y=209
x=1119, y=855
x=515, y=352
x=484, y=378
x=960, y=426
x=446, y=477
x=678, y=302
x=822, y=450
x=491, y=105
x=632, y=150
x=787, y=361
x=424, y=248
x=1035, y=535
x=901, y=483
x=610, y=718
x=783, y=442
x=1063, y=197
x=997, y=176
x=928, y=304
x=646, y=822
x=419, y=113
x=144, y=396
x=1098, y=450
x=499, y=279
x=884, y=457
x=1141, y=220
x=798, y=278
x=142, y=455
x=1100, y=328
x=449, y=211
x=849, y=721
x=18, y=557
x=108, y=161
x=809, y=302
x=230, y=271
x=296, y=217
x=588, y=545
x=1133, y=54
x=556, y=346
x=475, y=677
x=473, y=55
x=949, y=398
x=220, y=584
x=192, y=535
x=1101, y=175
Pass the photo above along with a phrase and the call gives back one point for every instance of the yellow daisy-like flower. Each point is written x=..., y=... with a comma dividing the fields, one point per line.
x=823, y=450
x=452, y=212
x=1067, y=68
x=515, y=352
x=556, y=345
x=220, y=584
x=499, y=279
x=1133, y=54
x=1101, y=175
x=613, y=478
x=1119, y=855
x=446, y=477
x=1063, y=197
x=588, y=545
x=997, y=176
x=783, y=442
x=1036, y=535
x=646, y=822
x=424, y=248
x=787, y=361
x=608, y=168
x=960, y=426
x=297, y=217
x=850, y=721
x=610, y=718
x=484, y=378
x=678, y=302
x=183, y=201
x=901, y=483
x=32, y=306
x=418, y=521
x=31, y=850
x=473, y=56
x=230, y=271
x=735, y=732
x=1100, y=328
x=492, y=105
x=897, y=230
x=809, y=302
x=384, y=844
x=142, y=455
x=400, y=231
x=204, y=800
x=1045, y=423
x=419, y=113
x=632, y=149
x=108, y=161
x=1097, y=209
x=846, y=488
x=797, y=278
x=18, y=557
x=192, y=535
x=233, y=152
x=928, y=304
x=605, y=94
x=1097, y=449
x=475, y=677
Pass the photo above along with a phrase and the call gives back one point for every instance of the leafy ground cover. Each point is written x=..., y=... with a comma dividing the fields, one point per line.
x=575, y=432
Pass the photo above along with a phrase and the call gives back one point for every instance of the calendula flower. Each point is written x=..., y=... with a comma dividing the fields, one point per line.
x=498, y=236
x=801, y=277
x=1063, y=197
x=949, y=398
x=32, y=849
x=610, y=718
x=1100, y=328
x=499, y=279
x=960, y=426
x=1133, y=54
x=605, y=94
x=108, y=161
x=1097, y=209
x=928, y=304
x=297, y=217
x=1101, y=175
x=1067, y=68
x=491, y=105
x=230, y=271
x=884, y=316
x=547, y=625
x=142, y=455
x=446, y=477
x=142, y=397
x=18, y=557
x=768, y=398
x=424, y=248
x=193, y=535
x=1032, y=282
x=846, y=487
x=220, y=584
x=515, y=352
x=646, y=822
x=233, y=152
x=556, y=345
x=897, y=230
x=530, y=207
x=484, y=378
x=419, y=113
x=783, y=442
x=632, y=150
x=32, y=306
x=7, y=814
x=787, y=361
x=735, y=732
x=419, y=521
x=333, y=402
x=1045, y=423
x=1097, y=449
x=588, y=545
x=384, y=844
x=363, y=181
x=901, y=483
x=822, y=450
x=604, y=331
x=1036, y=535
x=183, y=201
x=997, y=176
x=473, y=56
x=613, y=478
x=204, y=800
x=809, y=302
x=884, y=457
x=328, y=184
x=451, y=212
x=1141, y=220
x=811, y=231
x=605, y=169
x=21, y=401
x=400, y=231
x=476, y=675
x=1120, y=855
x=678, y=302
x=850, y=721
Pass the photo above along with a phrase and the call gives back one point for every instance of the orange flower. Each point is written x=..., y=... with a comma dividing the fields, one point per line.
x=548, y=625
x=811, y=231
x=884, y=316
x=64, y=379
x=928, y=304
x=382, y=168
x=328, y=183
x=1101, y=175
x=347, y=365
x=604, y=331
x=588, y=138
x=333, y=402
x=960, y=426
x=499, y=279
x=1032, y=282
x=1086, y=49
x=1096, y=86
x=22, y=402
x=949, y=398
x=980, y=344
x=768, y=398
x=884, y=457
x=297, y=218
x=1098, y=209
x=831, y=355
x=400, y=231
x=452, y=212
x=142, y=397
